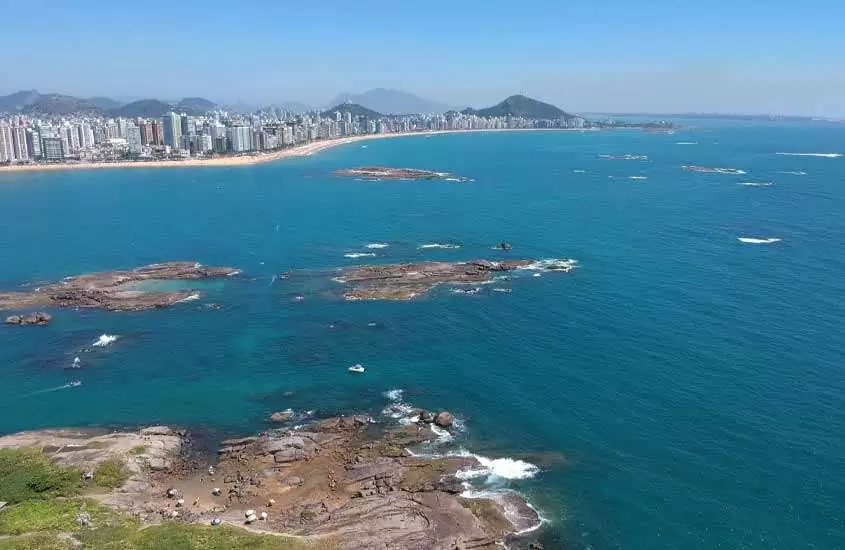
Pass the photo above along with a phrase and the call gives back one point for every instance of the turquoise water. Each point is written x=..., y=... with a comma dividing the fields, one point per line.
x=682, y=389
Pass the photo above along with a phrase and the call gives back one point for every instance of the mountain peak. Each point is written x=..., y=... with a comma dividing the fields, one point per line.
x=522, y=106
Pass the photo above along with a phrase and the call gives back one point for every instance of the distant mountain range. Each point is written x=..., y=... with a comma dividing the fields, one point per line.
x=393, y=102
x=32, y=102
x=372, y=104
x=520, y=106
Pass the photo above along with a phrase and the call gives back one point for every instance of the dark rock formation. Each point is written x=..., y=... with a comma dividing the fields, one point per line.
x=444, y=419
x=380, y=173
x=32, y=319
x=406, y=281
x=115, y=290
x=281, y=416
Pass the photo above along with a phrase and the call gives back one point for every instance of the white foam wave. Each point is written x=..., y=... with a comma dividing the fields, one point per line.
x=439, y=245
x=191, y=298
x=443, y=436
x=824, y=155
x=394, y=395
x=377, y=245
x=794, y=172
x=637, y=177
x=752, y=240
x=687, y=143
x=551, y=264
x=233, y=273
x=359, y=255
x=496, y=468
x=580, y=171
x=105, y=339
x=755, y=183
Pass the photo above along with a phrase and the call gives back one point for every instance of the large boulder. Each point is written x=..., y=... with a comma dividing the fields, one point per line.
x=444, y=419
x=281, y=416
x=35, y=318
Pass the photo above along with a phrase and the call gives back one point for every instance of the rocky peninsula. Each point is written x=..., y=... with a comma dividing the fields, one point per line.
x=381, y=173
x=115, y=290
x=407, y=281
x=343, y=483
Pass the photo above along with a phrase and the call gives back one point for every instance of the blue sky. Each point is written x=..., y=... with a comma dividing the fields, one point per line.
x=612, y=55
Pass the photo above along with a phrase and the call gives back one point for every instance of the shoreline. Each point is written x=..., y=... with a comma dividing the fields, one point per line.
x=304, y=150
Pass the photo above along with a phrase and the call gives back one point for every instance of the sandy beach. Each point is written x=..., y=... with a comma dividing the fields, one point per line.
x=252, y=158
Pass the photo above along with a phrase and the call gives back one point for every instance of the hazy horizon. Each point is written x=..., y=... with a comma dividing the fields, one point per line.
x=649, y=58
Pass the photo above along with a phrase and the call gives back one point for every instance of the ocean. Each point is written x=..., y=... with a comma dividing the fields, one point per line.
x=682, y=388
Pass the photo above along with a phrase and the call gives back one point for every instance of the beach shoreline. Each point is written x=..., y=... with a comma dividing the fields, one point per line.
x=297, y=151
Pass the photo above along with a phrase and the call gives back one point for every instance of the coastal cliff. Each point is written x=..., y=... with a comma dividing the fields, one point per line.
x=343, y=483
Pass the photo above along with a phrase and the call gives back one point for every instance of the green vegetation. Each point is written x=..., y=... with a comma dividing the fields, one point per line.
x=38, y=541
x=44, y=513
x=139, y=450
x=26, y=474
x=519, y=105
x=59, y=515
x=175, y=536
x=110, y=474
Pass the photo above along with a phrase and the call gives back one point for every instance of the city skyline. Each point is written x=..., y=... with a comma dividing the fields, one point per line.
x=725, y=57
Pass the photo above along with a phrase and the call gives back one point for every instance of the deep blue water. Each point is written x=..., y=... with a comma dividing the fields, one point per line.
x=681, y=389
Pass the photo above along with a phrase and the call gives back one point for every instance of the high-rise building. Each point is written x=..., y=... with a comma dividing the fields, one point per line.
x=240, y=138
x=158, y=133
x=52, y=148
x=86, y=135
x=189, y=126
x=123, y=128
x=172, y=130
x=111, y=130
x=146, y=129
x=221, y=144
x=99, y=134
x=19, y=147
x=70, y=136
x=6, y=149
x=33, y=143
x=203, y=143
x=133, y=139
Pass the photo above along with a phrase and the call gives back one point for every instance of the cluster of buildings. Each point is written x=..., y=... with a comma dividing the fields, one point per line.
x=178, y=135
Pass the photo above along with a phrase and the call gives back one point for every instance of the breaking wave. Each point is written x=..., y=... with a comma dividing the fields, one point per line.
x=756, y=183
x=439, y=245
x=377, y=246
x=394, y=395
x=794, y=172
x=359, y=255
x=191, y=298
x=105, y=339
x=825, y=155
x=496, y=468
x=752, y=240
x=565, y=265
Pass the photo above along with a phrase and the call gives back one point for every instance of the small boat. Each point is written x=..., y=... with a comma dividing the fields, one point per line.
x=75, y=383
x=359, y=368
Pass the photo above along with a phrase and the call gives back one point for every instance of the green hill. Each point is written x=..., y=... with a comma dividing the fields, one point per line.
x=194, y=106
x=147, y=108
x=521, y=106
x=60, y=105
x=354, y=108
